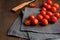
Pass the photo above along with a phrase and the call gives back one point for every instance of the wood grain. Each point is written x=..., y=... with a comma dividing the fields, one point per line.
x=7, y=18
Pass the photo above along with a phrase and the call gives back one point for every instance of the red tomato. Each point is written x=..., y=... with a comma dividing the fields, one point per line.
x=56, y=5
x=47, y=17
x=49, y=13
x=34, y=21
x=44, y=4
x=53, y=19
x=44, y=22
x=27, y=22
x=48, y=7
x=40, y=17
x=44, y=9
x=53, y=9
x=49, y=2
x=32, y=5
x=31, y=17
x=43, y=13
x=57, y=15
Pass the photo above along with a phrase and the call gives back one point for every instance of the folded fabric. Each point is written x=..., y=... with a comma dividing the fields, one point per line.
x=41, y=36
x=50, y=28
x=15, y=29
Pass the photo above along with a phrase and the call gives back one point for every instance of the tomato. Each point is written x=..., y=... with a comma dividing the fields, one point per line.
x=43, y=12
x=44, y=9
x=44, y=4
x=56, y=5
x=27, y=22
x=40, y=17
x=31, y=17
x=53, y=9
x=53, y=19
x=48, y=7
x=34, y=21
x=49, y=2
x=44, y=22
x=32, y=5
x=57, y=15
x=47, y=17
x=49, y=13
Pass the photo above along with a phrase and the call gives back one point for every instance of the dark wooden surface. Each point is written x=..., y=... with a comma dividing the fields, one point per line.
x=7, y=17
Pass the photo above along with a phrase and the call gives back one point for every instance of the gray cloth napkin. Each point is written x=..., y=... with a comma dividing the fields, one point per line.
x=15, y=31
x=50, y=28
x=41, y=36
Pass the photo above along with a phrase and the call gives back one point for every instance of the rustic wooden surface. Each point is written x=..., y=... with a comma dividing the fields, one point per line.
x=7, y=17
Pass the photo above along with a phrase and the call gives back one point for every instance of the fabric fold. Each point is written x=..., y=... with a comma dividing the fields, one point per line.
x=15, y=29
x=50, y=28
x=38, y=36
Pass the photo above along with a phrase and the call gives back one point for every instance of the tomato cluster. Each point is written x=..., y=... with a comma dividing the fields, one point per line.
x=32, y=20
x=47, y=14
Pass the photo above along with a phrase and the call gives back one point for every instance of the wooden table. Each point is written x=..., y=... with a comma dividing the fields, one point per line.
x=7, y=17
